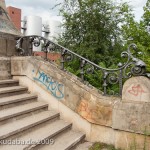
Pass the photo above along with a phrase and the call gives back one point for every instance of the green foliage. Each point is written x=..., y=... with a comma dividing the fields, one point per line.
x=100, y=30
x=92, y=28
x=136, y=32
x=146, y=15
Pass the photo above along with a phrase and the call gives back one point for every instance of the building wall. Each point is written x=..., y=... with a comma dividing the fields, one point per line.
x=15, y=15
x=33, y=25
x=51, y=56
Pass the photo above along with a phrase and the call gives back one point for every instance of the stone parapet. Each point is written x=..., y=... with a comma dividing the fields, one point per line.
x=67, y=88
x=7, y=44
x=109, y=118
x=5, y=70
x=136, y=89
x=133, y=112
x=130, y=114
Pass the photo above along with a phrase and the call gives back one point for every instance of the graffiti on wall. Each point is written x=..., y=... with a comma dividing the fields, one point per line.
x=84, y=110
x=54, y=87
x=94, y=113
x=136, y=90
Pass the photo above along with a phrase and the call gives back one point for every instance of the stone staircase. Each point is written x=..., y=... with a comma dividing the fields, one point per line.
x=24, y=121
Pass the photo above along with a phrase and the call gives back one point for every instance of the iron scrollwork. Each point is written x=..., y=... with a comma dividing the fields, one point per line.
x=132, y=67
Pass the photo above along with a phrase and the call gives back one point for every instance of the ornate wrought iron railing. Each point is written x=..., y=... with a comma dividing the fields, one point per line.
x=132, y=67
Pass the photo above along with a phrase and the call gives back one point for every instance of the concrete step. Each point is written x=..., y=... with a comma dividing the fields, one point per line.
x=14, y=90
x=44, y=134
x=84, y=146
x=18, y=126
x=65, y=141
x=19, y=110
x=8, y=83
x=24, y=119
x=16, y=99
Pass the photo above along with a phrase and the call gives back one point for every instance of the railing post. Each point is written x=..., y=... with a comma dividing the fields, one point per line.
x=82, y=63
x=62, y=59
x=30, y=52
x=105, y=82
x=46, y=48
x=120, y=78
x=120, y=82
x=46, y=54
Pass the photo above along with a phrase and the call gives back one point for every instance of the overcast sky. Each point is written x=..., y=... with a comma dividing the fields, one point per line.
x=43, y=7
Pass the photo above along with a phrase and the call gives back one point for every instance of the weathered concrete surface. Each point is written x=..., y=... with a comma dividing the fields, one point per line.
x=131, y=141
x=133, y=112
x=120, y=139
x=65, y=87
x=98, y=116
x=5, y=70
x=136, y=89
x=134, y=117
x=66, y=113
x=94, y=133
x=7, y=45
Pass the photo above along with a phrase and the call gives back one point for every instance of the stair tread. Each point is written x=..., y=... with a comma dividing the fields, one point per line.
x=8, y=81
x=41, y=133
x=14, y=111
x=84, y=146
x=13, y=88
x=25, y=123
x=44, y=130
x=16, y=98
x=65, y=141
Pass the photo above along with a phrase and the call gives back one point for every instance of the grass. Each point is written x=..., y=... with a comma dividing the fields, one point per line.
x=102, y=146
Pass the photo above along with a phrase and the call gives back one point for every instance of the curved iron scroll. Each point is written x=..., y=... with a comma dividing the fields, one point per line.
x=132, y=67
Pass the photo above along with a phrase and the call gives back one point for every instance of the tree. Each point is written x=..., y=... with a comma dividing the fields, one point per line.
x=137, y=32
x=146, y=44
x=100, y=30
x=146, y=15
x=92, y=28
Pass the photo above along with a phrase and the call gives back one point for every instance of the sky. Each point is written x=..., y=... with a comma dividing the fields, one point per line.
x=137, y=6
x=43, y=8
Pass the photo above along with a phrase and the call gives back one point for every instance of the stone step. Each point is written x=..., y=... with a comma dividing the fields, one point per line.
x=16, y=98
x=24, y=119
x=14, y=90
x=18, y=126
x=84, y=146
x=65, y=141
x=8, y=83
x=44, y=134
x=19, y=110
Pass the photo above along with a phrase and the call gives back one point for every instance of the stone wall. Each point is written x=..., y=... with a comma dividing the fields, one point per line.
x=133, y=111
x=112, y=120
x=7, y=45
x=7, y=49
x=5, y=70
x=67, y=88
